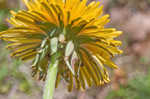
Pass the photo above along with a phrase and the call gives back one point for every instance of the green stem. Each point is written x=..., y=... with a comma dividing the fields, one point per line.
x=50, y=80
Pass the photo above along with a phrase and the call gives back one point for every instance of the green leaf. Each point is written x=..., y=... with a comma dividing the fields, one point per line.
x=3, y=72
x=3, y=27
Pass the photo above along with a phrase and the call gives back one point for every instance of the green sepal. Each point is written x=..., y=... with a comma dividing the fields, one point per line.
x=43, y=43
x=74, y=58
x=84, y=39
x=54, y=45
x=46, y=26
x=69, y=49
x=51, y=34
x=37, y=58
x=70, y=67
x=44, y=52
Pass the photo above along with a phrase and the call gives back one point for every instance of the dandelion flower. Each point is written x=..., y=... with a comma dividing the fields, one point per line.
x=71, y=31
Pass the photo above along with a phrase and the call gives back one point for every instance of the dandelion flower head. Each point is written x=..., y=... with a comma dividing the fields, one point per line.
x=70, y=30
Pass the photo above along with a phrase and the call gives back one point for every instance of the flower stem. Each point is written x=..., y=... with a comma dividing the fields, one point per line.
x=50, y=80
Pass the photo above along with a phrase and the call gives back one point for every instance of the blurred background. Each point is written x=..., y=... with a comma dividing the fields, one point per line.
x=130, y=81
